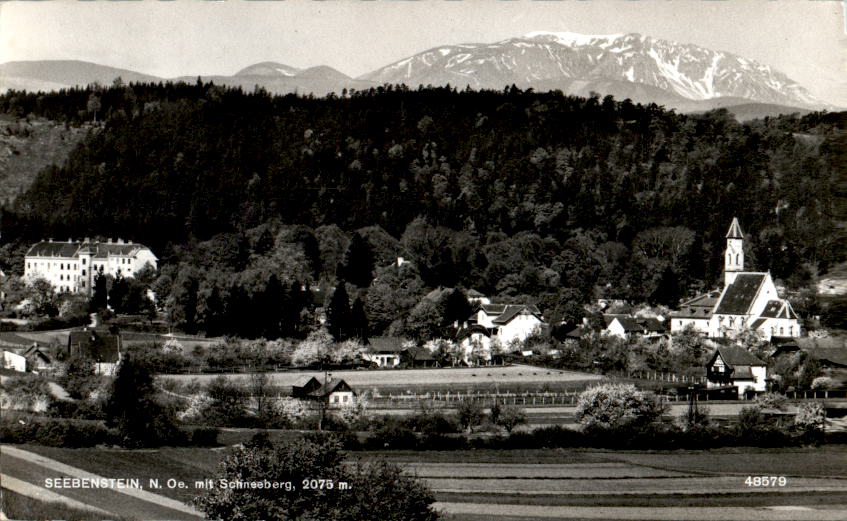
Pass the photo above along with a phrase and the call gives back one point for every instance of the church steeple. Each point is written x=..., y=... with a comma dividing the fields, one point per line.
x=734, y=256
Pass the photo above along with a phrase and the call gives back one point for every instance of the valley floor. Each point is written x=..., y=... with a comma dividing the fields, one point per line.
x=490, y=484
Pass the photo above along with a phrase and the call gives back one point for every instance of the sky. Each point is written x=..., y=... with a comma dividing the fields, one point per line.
x=805, y=39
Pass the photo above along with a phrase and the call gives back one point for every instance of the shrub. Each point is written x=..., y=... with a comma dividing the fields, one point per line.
x=378, y=491
x=613, y=406
x=772, y=401
x=811, y=416
x=54, y=432
x=823, y=382
x=469, y=414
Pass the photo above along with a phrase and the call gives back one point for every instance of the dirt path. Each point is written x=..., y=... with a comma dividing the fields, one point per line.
x=492, y=511
x=132, y=502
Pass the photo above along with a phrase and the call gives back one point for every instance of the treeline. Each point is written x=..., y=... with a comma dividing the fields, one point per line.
x=543, y=197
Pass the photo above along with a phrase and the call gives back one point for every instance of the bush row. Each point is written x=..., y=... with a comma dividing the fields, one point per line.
x=58, y=432
x=396, y=436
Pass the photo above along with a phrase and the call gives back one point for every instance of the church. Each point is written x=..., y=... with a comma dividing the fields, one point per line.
x=748, y=301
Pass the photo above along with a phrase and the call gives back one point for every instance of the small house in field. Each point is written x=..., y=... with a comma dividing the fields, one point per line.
x=385, y=351
x=98, y=345
x=735, y=366
x=335, y=393
x=304, y=387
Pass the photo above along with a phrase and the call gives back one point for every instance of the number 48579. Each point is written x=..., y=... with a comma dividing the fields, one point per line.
x=766, y=481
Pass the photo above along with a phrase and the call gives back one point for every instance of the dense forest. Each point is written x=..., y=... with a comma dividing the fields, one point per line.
x=528, y=196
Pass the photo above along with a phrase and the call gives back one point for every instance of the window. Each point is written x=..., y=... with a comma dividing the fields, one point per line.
x=335, y=399
x=61, y=266
x=738, y=258
x=345, y=399
x=83, y=262
x=83, y=272
x=780, y=331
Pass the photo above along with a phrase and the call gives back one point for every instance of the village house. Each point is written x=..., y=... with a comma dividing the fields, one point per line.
x=38, y=359
x=830, y=352
x=13, y=361
x=627, y=326
x=748, y=301
x=72, y=266
x=385, y=351
x=735, y=366
x=334, y=393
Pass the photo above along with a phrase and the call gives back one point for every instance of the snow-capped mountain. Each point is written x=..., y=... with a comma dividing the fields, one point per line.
x=616, y=63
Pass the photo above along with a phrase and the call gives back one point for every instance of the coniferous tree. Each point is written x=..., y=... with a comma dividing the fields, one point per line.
x=338, y=313
x=359, y=321
x=358, y=263
x=100, y=292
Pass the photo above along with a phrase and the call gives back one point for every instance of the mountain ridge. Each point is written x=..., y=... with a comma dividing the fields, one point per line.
x=681, y=76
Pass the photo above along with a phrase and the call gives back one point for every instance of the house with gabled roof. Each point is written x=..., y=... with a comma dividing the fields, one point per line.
x=735, y=366
x=385, y=351
x=748, y=301
x=626, y=326
x=334, y=393
x=510, y=322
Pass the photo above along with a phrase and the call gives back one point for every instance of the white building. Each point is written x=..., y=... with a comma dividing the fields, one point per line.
x=510, y=322
x=748, y=301
x=71, y=266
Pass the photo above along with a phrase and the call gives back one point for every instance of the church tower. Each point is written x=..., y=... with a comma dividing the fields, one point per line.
x=734, y=256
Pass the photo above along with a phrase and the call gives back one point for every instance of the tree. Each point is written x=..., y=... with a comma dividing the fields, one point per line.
x=79, y=379
x=510, y=417
x=469, y=414
x=338, y=313
x=377, y=491
x=358, y=263
x=313, y=349
x=132, y=407
x=99, y=293
x=616, y=406
x=228, y=402
x=118, y=294
x=811, y=417
x=358, y=320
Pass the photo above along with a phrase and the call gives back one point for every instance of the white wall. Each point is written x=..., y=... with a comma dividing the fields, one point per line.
x=14, y=361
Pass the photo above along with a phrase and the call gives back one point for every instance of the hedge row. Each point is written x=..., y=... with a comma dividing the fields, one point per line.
x=60, y=432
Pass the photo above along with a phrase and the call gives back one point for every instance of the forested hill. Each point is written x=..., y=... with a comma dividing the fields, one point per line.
x=517, y=186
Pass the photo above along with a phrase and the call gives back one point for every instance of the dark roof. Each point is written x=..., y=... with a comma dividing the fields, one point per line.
x=512, y=311
x=735, y=356
x=99, y=345
x=386, y=344
x=100, y=250
x=700, y=306
x=635, y=324
x=331, y=387
x=734, y=230
x=493, y=309
x=738, y=296
x=758, y=322
x=778, y=309
x=472, y=293
x=305, y=381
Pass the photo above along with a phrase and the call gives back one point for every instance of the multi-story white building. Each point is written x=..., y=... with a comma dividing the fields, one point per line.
x=749, y=301
x=72, y=266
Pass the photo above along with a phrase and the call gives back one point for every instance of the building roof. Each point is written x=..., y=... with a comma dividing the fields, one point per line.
x=513, y=311
x=304, y=381
x=472, y=293
x=736, y=356
x=635, y=324
x=738, y=297
x=734, y=230
x=700, y=306
x=778, y=309
x=72, y=249
x=386, y=344
x=331, y=387
x=758, y=322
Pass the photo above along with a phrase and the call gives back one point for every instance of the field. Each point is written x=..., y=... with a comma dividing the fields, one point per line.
x=600, y=484
x=421, y=380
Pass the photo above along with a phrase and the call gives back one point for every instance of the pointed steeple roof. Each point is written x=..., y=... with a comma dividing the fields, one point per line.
x=734, y=230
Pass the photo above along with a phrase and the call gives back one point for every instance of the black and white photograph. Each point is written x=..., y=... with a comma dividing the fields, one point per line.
x=424, y=260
